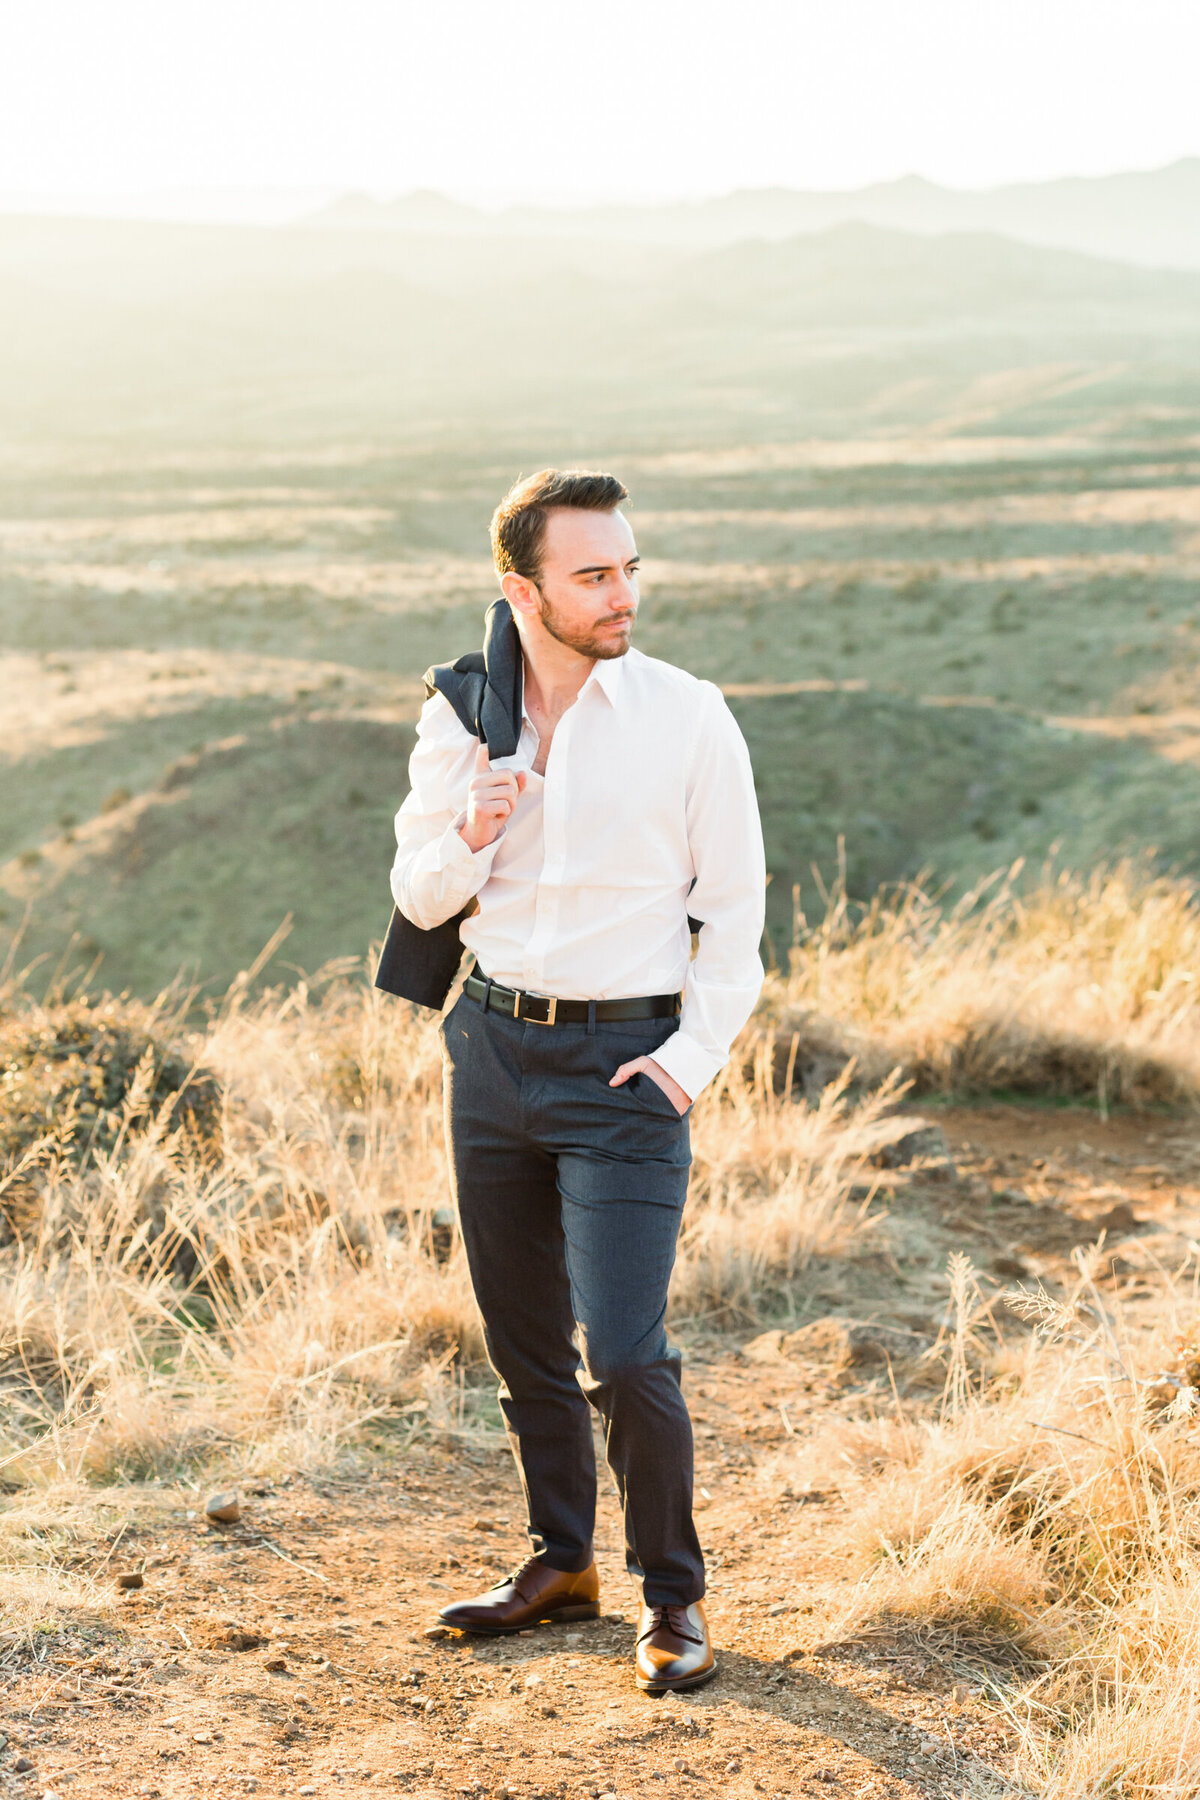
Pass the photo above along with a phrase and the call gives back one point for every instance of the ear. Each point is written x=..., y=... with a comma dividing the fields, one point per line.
x=521, y=595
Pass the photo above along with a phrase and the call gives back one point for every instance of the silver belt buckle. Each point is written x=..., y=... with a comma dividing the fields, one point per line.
x=551, y=1008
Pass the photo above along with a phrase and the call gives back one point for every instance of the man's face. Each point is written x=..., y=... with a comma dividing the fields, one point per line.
x=588, y=589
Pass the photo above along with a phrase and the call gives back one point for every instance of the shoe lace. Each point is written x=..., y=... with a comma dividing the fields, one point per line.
x=515, y=1576
x=676, y=1620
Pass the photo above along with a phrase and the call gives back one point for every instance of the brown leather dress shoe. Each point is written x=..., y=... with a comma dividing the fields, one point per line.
x=673, y=1648
x=534, y=1594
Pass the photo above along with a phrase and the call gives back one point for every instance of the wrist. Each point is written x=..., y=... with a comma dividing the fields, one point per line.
x=667, y=1082
x=476, y=840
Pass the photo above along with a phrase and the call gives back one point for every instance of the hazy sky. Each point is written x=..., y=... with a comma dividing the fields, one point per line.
x=623, y=97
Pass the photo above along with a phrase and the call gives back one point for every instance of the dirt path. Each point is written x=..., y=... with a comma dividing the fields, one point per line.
x=288, y=1654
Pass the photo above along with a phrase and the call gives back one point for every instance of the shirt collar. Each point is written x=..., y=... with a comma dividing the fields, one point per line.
x=607, y=673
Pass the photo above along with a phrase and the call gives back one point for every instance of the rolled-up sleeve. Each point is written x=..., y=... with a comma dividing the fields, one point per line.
x=725, y=976
x=434, y=873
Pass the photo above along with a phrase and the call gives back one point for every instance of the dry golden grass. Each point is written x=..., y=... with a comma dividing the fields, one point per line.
x=1046, y=1516
x=169, y=1307
x=1079, y=986
x=770, y=1191
x=161, y=1307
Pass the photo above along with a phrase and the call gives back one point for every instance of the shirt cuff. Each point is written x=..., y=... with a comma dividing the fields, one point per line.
x=463, y=871
x=686, y=1062
x=443, y=878
x=455, y=854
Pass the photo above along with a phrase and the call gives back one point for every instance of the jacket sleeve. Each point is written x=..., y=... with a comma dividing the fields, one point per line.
x=725, y=838
x=434, y=873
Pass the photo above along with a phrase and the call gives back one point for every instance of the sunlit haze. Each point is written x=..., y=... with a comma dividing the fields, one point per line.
x=265, y=108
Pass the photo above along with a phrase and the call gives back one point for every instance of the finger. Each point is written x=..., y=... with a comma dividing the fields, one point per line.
x=490, y=795
x=623, y=1074
x=482, y=759
x=521, y=778
x=495, y=781
x=493, y=800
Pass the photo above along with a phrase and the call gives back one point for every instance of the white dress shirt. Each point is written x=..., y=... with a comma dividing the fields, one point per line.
x=585, y=892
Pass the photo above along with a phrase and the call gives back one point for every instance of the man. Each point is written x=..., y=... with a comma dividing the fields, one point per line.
x=570, y=1066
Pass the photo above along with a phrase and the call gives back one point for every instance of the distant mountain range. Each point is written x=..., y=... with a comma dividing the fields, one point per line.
x=188, y=325
x=852, y=275
x=1150, y=217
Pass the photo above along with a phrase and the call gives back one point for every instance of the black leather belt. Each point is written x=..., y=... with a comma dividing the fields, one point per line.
x=546, y=1009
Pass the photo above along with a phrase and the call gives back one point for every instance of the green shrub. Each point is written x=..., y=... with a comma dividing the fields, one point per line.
x=69, y=1071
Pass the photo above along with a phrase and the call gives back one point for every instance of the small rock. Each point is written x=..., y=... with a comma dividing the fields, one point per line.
x=533, y=1681
x=852, y=1343
x=230, y=1634
x=961, y=1691
x=734, y=1767
x=899, y=1142
x=128, y=1579
x=680, y=1766
x=275, y=1665
x=436, y=1633
x=766, y=1347
x=225, y=1508
x=781, y=1606
x=1010, y=1266
x=483, y=1525
x=22, y=1766
x=309, y=1789
x=1120, y=1217
x=202, y=1737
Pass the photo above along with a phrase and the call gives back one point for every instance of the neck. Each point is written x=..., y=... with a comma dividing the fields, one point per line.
x=554, y=673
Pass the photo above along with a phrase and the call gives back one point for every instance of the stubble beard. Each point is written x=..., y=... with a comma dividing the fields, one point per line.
x=602, y=646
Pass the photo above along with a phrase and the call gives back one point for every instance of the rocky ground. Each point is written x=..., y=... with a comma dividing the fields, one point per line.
x=291, y=1652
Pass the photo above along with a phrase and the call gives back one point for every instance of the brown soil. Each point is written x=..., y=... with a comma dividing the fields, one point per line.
x=286, y=1654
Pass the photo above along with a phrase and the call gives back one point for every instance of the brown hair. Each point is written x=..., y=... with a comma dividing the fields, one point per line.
x=519, y=522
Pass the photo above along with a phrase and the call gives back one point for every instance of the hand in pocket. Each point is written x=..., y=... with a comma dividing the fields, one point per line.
x=646, y=1065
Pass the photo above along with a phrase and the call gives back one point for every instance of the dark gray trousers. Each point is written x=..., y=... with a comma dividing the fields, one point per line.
x=569, y=1197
